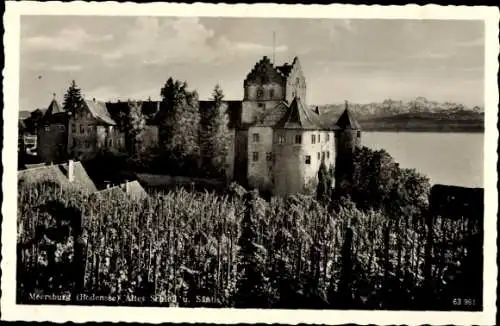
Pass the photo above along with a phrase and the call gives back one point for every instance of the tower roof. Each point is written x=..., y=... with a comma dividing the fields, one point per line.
x=54, y=108
x=298, y=117
x=347, y=120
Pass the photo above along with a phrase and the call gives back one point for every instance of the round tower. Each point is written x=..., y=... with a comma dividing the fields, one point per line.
x=347, y=139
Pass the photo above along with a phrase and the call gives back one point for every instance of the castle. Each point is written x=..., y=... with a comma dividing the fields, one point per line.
x=277, y=141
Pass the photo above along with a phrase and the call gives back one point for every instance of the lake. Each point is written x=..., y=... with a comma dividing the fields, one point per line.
x=446, y=158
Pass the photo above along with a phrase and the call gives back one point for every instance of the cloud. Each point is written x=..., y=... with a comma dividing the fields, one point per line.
x=64, y=68
x=68, y=39
x=153, y=41
x=257, y=48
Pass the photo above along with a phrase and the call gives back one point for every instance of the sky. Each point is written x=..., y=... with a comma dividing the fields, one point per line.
x=362, y=60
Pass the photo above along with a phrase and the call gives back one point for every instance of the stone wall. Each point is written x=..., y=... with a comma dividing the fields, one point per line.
x=260, y=158
x=288, y=163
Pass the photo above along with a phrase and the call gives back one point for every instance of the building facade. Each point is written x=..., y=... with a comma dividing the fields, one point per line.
x=283, y=141
x=277, y=142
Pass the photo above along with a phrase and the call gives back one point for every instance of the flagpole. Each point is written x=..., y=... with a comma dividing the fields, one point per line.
x=274, y=47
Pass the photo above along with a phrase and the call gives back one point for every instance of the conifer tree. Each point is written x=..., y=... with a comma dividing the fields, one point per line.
x=73, y=98
x=214, y=134
x=179, y=122
x=134, y=123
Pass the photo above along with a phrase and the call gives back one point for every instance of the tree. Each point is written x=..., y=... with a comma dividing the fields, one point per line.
x=73, y=98
x=214, y=135
x=379, y=183
x=133, y=125
x=323, y=190
x=179, y=124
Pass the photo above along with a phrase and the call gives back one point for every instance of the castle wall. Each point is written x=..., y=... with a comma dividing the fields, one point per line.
x=263, y=89
x=52, y=144
x=346, y=142
x=323, y=147
x=260, y=162
x=288, y=172
x=241, y=157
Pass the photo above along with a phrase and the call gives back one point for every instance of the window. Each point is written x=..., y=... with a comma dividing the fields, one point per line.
x=260, y=105
x=111, y=142
x=73, y=128
x=313, y=139
x=281, y=139
x=255, y=156
x=255, y=138
x=89, y=129
x=298, y=139
x=359, y=133
x=87, y=144
x=327, y=137
x=271, y=93
x=308, y=159
x=47, y=128
x=319, y=156
x=269, y=156
x=323, y=155
x=88, y=115
x=319, y=138
x=328, y=155
x=260, y=93
x=82, y=129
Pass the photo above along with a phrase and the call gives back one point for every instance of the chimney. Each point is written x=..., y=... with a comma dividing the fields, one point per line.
x=127, y=187
x=71, y=171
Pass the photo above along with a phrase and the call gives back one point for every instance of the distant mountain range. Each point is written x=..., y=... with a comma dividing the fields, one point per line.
x=417, y=115
x=390, y=115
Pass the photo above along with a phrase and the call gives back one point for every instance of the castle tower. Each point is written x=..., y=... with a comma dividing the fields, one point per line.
x=347, y=139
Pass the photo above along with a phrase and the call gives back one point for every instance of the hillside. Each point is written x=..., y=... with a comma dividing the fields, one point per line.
x=417, y=115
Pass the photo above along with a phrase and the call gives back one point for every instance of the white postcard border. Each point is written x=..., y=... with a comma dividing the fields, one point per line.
x=11, y=311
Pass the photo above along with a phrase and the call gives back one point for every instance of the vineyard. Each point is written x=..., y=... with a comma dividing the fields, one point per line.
x=192, y=249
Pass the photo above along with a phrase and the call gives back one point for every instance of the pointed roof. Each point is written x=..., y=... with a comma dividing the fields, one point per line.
x=54, y=108
x=298, y=117
x=347, y=120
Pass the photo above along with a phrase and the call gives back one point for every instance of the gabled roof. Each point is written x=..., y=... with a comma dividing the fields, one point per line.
x=298, y=117
x=58, y=174
x=134, y=190
x=114, y=192
x=99, y=111
x=80, y=176
x=347, y=120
